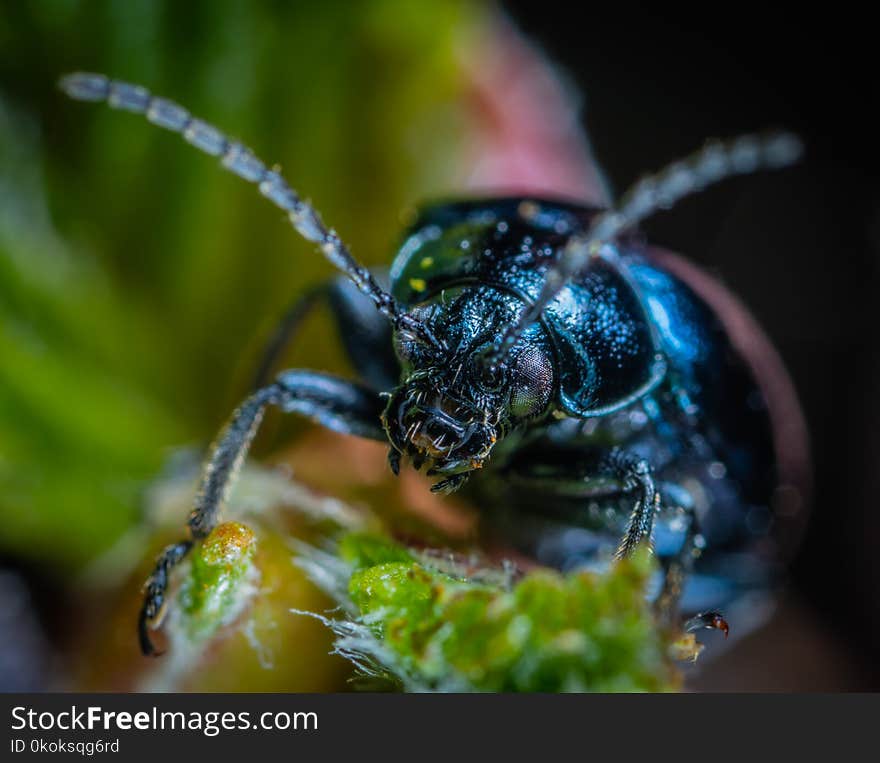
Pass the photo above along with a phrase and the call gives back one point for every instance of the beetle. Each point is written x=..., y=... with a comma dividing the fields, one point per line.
x=606, y=391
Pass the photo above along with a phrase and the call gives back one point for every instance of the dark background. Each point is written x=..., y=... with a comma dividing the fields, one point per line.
x=657, y=83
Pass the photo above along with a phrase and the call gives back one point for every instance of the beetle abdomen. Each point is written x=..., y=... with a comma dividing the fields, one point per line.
x=750, y=398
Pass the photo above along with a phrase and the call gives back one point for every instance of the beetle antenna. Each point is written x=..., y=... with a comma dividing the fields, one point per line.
x=713, y=163
x=240, y=160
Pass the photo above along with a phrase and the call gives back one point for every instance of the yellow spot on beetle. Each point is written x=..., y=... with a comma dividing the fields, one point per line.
x=426, y=262
x=418, y=284
x=528, y=210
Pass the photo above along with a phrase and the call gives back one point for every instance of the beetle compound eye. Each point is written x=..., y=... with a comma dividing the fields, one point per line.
x=532, y=384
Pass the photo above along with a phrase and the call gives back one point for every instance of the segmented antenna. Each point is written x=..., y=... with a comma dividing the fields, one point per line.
x=240, y=160
x=715, y=162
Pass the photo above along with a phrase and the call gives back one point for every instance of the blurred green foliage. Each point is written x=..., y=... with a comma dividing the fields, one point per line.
x=136, y=277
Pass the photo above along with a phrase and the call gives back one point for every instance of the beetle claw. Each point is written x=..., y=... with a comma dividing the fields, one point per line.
x=145, y=625
x=450, y=484
x=711, y=619
x=394, y=461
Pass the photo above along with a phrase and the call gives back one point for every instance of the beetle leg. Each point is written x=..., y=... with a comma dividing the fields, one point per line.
x=676, y=570
x=332, y=402
x=154, y=606
x=675, y=573
x=637, y=477
x=285, y=332
x=365, y=334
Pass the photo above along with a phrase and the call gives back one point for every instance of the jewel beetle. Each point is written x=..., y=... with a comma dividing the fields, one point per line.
x=593, y=392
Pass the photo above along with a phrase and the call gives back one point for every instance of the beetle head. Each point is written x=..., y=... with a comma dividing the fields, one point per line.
x=451, y=408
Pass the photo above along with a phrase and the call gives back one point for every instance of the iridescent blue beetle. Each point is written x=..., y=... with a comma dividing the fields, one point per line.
x=605, y=395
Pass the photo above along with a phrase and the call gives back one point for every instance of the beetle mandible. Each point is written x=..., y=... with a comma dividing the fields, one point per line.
x=591, y=378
